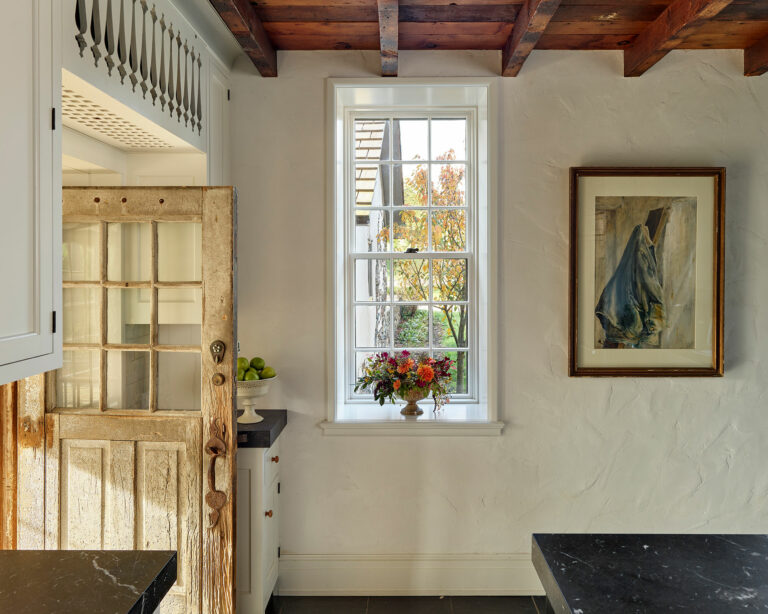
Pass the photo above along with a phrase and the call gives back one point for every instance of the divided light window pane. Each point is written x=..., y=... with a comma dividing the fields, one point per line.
x=129, y=256
x=412, y=209
x=80, y=252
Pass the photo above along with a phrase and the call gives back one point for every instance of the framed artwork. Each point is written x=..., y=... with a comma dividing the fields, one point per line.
x=646, y=271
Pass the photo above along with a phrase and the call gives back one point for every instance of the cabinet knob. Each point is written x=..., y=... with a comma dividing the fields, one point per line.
x=275, y=459
x=268, y=514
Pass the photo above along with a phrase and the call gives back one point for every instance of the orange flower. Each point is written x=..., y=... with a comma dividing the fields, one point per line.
x=405, y=366
x=425, y=373
x=397, y=384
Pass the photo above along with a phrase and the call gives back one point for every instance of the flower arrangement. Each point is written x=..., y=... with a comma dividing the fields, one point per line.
x=406, y=376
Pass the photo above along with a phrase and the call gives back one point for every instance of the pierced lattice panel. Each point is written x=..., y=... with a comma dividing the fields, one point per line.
x=82, y=114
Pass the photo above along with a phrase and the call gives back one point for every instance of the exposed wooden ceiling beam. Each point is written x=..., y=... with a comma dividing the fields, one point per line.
x=678, y=21
x=388, y=33
x=245, y=24
x=756, y=59
x=532, y=20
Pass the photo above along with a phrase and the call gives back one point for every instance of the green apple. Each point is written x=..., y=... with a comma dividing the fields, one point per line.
x=267, y=372
x=251, y=375
x=257, y=364
x=240, y=375
x=242, y=363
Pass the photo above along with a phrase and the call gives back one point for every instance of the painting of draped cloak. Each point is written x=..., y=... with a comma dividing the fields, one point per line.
x=645, y=272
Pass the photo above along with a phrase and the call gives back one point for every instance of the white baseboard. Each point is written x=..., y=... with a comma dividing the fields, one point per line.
x=407, y=574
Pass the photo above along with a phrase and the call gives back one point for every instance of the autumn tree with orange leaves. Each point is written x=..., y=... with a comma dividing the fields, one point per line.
x=449, y=234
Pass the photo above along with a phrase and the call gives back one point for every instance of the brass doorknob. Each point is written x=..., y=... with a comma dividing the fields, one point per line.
x=268, y=514
x=275, y=459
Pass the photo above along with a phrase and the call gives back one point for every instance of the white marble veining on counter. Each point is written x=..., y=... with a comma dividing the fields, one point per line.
x=638, y=573
x=93, y=581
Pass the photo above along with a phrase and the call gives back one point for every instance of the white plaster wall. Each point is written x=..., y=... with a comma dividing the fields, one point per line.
x=577, y=454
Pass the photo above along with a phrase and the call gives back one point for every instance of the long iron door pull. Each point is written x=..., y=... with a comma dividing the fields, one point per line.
x=216, y=447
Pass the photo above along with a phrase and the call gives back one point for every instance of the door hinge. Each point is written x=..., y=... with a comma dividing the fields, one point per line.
x=53, y=322
x=53, y=118
x=278, y=488
x=229, y=94
x=278, y=552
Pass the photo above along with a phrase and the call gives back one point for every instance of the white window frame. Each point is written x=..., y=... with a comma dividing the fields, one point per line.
x=476, y=412
x=470, y=182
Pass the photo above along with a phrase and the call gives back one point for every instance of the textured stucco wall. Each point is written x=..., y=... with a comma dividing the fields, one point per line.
x=577, y=454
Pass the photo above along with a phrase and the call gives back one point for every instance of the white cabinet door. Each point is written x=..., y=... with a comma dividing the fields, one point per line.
x=258, y=531
x=30, y=189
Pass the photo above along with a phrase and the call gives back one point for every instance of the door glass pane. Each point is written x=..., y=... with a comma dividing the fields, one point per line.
x=179, y=315
x=77, y=382
x=80, y=252
x=179, y=251
x=129, y=255
x=178, y=381
x=81, y=315
x=127, y=380
x=128, y=315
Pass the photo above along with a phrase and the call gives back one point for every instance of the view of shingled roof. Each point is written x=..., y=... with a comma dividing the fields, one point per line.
x=369, y=137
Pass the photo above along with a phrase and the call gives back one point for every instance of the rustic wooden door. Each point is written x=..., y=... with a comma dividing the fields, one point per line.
x=138, y=437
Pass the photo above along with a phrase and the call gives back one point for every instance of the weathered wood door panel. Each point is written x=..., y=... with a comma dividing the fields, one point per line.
x=129, y=421
x=139, y=488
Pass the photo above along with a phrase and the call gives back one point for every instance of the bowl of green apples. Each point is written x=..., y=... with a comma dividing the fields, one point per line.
x=254, y=377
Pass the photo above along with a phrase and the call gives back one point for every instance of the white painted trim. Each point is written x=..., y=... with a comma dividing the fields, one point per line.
x=413, y=428
x=204, y=20
x=340, y=94
x=408, y=574
x=89, y=149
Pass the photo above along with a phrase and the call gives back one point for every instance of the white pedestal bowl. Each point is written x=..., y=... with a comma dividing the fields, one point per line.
x=247, y=394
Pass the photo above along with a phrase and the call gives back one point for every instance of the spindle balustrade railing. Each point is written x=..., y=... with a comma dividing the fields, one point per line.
x=150, y=45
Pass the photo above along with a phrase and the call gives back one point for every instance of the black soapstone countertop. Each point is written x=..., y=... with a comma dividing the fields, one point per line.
x=262, y=434
x=93, y=581
x=595, y=573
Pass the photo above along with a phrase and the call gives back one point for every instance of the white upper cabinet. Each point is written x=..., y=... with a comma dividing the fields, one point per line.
x=30, y=188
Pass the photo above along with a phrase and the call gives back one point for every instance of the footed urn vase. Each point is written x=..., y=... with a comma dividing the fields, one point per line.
x=412, y=398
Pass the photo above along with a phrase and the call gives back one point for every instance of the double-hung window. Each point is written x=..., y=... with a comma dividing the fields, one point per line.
x=411, y=240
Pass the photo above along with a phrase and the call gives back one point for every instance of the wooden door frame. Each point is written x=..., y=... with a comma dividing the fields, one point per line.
x=8, y=468
x=215, y=208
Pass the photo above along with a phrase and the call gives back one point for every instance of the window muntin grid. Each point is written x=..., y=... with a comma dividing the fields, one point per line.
x=374, y=200
x=96, y=369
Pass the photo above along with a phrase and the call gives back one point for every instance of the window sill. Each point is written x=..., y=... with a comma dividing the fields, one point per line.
x=454, y=420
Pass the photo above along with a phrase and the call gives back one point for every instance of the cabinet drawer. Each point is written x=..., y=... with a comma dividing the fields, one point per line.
x=272, y=463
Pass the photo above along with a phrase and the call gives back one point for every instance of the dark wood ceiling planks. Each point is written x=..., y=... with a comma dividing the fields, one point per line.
x=490, y=24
